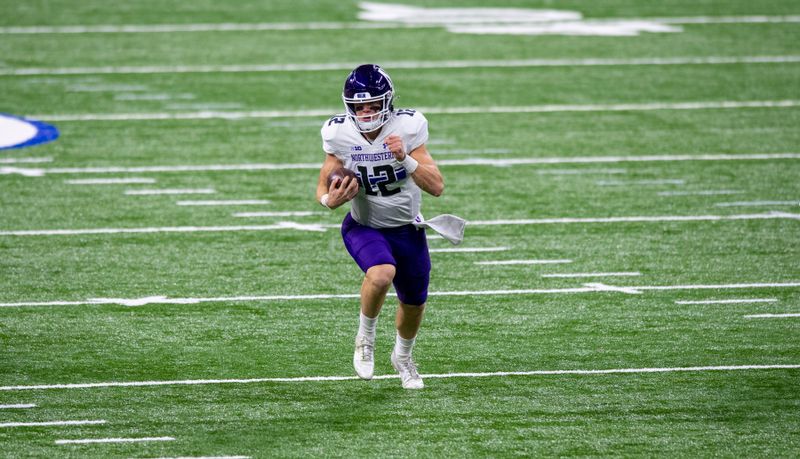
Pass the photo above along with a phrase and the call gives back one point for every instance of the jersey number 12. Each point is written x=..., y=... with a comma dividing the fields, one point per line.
x=381, y=177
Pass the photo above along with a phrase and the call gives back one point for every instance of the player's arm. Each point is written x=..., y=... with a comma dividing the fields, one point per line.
x=420, y=165
x=427, y=175
x=336, y=195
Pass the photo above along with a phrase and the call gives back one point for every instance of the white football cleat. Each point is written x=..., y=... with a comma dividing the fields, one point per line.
x=409, y=375
x=363, y=357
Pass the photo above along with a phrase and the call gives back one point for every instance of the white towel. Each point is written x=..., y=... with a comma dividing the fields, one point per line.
x=448, y=226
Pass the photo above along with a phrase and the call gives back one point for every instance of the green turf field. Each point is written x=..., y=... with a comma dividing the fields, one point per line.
x=630, y=279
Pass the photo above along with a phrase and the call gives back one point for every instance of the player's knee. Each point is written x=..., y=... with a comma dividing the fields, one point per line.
x=381, y=276
x=417, y=308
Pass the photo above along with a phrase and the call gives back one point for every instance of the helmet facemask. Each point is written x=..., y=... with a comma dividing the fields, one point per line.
x=372, y=121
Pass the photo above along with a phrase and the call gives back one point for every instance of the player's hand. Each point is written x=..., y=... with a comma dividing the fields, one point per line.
x=395, y=145
x=342, y=191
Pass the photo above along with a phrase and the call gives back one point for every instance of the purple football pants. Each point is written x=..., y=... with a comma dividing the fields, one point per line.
x=404, y=247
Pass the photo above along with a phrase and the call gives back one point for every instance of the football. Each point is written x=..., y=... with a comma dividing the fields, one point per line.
x=341, y=173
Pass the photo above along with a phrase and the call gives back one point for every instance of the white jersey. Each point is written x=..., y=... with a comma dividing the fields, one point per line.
x=388, y=196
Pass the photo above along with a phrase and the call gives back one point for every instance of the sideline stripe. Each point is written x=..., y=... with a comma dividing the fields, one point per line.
x=737, y=301
x=587, y=288
x=494, y=162
x=771, y=316
x=18, y=406
x=285, y=26
x=449, y=64
x=321, y=227
x=190, y=382
x=51, y=423
x=323, y=113
x=112, y=440
x=592, y=274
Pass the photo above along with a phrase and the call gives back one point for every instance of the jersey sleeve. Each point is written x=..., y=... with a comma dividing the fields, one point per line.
x=328, y=132
x=419, y=131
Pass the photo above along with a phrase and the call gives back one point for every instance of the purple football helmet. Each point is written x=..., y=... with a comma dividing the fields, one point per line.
x=368, y=83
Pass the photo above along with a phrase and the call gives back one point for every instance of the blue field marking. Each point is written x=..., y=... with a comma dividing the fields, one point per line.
x=36, y=132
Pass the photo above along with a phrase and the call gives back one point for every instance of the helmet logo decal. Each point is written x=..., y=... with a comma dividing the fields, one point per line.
x=509, y=21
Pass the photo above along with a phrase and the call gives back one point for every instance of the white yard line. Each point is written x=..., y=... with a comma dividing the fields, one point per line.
x=476, y=151
x=300, y=379
x=587, y=288
x=600, y=287
x=110, y=181
x=448, y=64
x=727, y=19
x=772, y=316
x=285, y=26
x=699, y=193
x=95, y=87
x=733, y=301
x=468, y=250
x=205, y=457
x=578, y=275
x=641, y=182
x=491, y=162
x=642, y=219
x=51, y=423
x=579, y=171
x=170, y=229
x=757, y=203
x=321, y=227
x=522, y=262
x=288, y=213
x=157, y=97
x=200, y=106
x=20, y=406
x=25, y=160
x=169, y=192
x=243, y=202
x=203, y=27
x=177, y=168
x=322, y=113
x=718, y=286
x=613, y=159
x=112, y=440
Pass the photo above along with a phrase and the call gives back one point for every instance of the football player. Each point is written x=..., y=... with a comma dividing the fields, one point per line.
x=385, y=147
